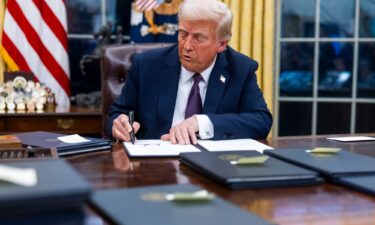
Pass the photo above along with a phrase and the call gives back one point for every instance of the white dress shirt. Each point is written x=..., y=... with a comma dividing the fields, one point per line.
x=186, y=81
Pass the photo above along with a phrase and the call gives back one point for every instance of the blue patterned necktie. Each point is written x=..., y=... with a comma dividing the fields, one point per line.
x=194, y=103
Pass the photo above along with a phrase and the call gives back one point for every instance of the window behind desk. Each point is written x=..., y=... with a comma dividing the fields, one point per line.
x=325, y=67
x=86, y=17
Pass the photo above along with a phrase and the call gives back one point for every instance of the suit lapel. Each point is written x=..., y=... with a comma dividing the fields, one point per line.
x=216, y=85
x=168, y=86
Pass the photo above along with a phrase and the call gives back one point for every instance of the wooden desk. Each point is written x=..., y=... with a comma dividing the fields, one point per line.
x=325, y=204
x=84, y=121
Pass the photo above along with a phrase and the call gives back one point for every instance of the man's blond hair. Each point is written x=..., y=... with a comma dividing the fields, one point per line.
x=212, y=10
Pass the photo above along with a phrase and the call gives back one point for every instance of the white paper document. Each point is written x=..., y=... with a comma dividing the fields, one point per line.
x=233, y=145
x=21, y=176
x=352, y=138
x=155, y=147
x=73, y=139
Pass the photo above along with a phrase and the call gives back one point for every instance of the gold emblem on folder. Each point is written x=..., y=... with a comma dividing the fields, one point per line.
x=153, y=197
x=323, y=151
x=230, y=157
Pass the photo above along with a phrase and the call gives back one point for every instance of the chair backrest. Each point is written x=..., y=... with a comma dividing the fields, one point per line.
x=115, y=64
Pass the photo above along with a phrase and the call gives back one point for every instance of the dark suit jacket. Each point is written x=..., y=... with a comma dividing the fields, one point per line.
x=236, y=107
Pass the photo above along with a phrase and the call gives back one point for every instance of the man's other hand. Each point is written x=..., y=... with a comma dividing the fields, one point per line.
x=183, y=133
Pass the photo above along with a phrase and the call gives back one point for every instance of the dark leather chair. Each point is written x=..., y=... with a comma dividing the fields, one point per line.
x=115, y=63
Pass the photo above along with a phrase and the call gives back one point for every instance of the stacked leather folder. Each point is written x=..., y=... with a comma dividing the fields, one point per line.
x=285, y=167
x=57, y=197
x=222, y=167
x=342, y=167
x=169, y=205
x=49, y=140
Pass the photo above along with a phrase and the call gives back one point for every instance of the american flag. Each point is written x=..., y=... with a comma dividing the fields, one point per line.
x=35, y=39
x=146, y=5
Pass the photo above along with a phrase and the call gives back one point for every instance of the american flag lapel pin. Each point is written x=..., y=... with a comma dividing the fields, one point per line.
x=222, y=79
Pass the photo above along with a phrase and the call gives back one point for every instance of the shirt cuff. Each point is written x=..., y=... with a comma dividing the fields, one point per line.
x=206, y=128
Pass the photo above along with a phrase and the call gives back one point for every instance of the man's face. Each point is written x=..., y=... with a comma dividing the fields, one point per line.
x=198, y=44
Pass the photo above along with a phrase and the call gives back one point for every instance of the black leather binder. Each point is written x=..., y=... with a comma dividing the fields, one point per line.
x=342, y=163
x=272, y=173
x=146, y=205
x=58, y=187
x=60, y=217
x=364, y=184
x=49, y=140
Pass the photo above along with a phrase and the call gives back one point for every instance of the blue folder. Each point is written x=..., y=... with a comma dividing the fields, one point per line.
x=49, y=140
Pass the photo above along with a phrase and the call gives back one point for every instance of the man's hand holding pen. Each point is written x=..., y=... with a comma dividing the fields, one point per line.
x=122, y=128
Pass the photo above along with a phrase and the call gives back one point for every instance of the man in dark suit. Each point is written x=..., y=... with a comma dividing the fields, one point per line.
x=201, y=87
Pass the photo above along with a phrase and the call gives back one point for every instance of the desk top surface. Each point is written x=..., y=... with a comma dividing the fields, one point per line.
x=319, y=204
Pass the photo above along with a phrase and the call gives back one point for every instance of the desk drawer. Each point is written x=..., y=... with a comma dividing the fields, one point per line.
x=2, y=124
x=81, y=124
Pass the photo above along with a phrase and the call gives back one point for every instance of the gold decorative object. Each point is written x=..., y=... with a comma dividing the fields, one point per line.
x=21, y=106
x=2, y=103
x=19, y=82
x=30, y=106
x=21, y=94
x=11, y=106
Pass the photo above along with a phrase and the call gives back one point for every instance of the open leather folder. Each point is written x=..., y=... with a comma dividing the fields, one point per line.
x=158, y=148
